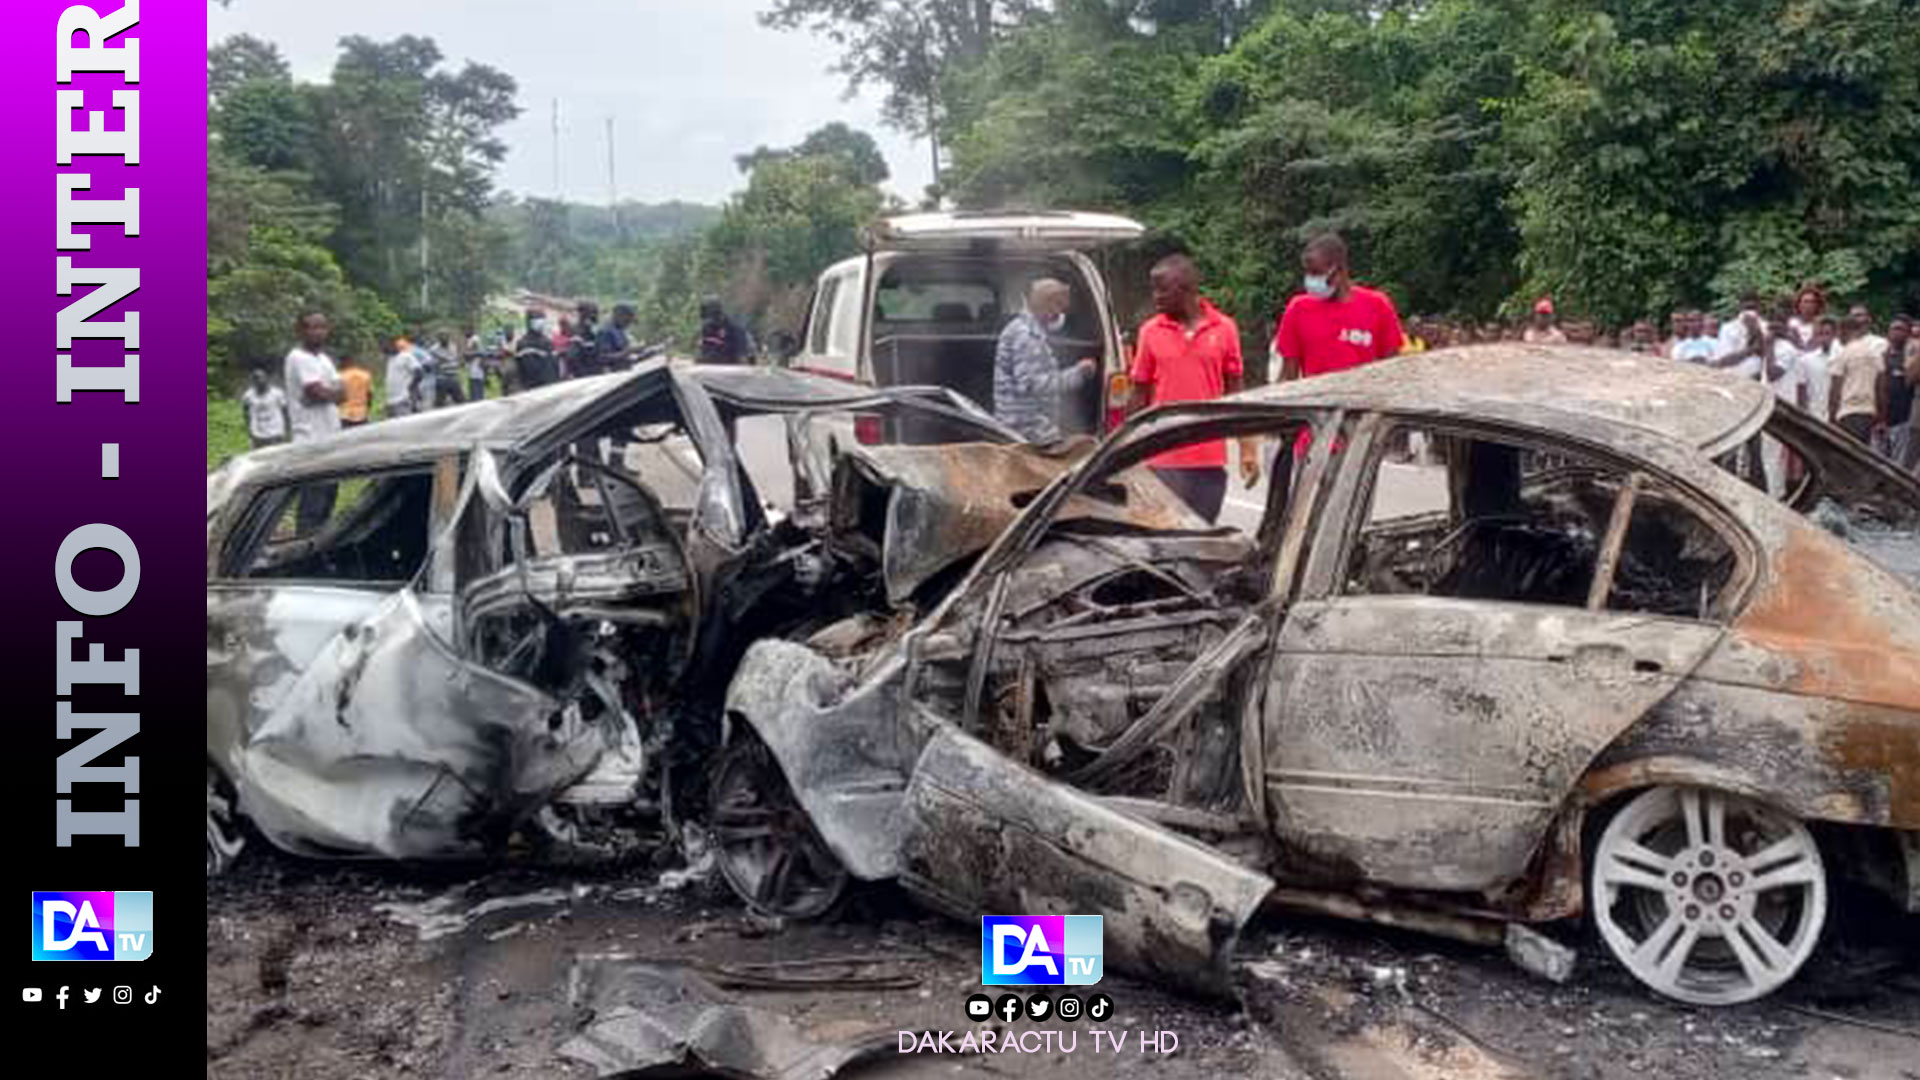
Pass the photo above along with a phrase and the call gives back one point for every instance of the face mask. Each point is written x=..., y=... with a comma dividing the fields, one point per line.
x=539, y=326
x=1318, y=285
x=1057, y=323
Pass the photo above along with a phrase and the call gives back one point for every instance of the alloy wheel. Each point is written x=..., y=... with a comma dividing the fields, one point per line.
x=1707, y=897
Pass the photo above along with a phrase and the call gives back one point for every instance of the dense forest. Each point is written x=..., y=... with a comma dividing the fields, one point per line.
x=1625, y=156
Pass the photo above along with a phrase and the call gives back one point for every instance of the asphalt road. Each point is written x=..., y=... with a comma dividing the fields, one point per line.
x=331, y=971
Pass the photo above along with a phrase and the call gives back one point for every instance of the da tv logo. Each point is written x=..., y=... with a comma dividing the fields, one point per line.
x=1036, y=950
x=92, y=925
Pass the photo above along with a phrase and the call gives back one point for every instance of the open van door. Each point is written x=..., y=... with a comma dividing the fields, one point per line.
x=941, y=287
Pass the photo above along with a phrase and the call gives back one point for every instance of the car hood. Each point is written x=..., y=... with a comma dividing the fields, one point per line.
x=944, y=504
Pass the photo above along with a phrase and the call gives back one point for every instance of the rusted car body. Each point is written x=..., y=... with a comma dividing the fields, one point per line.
x=519, y=612
x=1595, y=672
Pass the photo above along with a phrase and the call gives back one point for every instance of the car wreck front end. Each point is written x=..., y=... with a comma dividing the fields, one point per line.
x=507, y=621
x=855, y=725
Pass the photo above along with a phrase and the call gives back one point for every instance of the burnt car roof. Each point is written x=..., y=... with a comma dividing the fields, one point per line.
x=518, y=418
x=1699, y=406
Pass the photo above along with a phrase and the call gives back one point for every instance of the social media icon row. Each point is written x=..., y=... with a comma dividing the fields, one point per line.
x=1038, y=1008
x=122, y=995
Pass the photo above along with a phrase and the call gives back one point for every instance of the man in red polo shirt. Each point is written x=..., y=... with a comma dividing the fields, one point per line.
x=1190, y=352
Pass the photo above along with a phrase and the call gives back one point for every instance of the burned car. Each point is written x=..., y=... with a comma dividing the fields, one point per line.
x=515, y=617
x=1570, y=666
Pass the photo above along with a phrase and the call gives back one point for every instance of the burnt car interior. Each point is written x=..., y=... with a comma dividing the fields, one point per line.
x=1097, y=625
x=937, y=322
x=1500, y=521
x=369, y=529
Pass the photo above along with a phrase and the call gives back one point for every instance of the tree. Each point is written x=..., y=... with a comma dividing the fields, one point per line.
x=1475, y=153
x=319, y=196
x=393, y=128
x=904, y=45
x=856, y=151
x=267, y=264
x=243, y=59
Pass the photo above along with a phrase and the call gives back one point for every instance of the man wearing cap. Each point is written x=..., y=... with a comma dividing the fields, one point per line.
x=1542, y=330
x=583, y=352
x=722, y=339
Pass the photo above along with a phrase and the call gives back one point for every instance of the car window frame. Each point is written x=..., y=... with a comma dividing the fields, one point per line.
x=1369, y=435
x=242, y=508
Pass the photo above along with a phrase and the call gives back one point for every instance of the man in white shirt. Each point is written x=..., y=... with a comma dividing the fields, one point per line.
x=314, y=389
x=314, y=393
x=1742, y=340
x=403, y=377
x=265, y=410
x=1785, y=374
x=1816, y=368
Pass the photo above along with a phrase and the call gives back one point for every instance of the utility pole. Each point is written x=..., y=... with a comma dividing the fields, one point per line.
x=557, y=193
x=423, y=246
x=613, y=188
x=933, y=142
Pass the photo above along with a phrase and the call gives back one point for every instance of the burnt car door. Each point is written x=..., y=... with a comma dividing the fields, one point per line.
x=1095, y=670
x=1468, y=636
x=337, y=706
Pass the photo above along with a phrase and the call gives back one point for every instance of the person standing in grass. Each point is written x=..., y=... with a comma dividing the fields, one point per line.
x=264, y=406
x=314, y=393
x=356, y=406
x=403, y=377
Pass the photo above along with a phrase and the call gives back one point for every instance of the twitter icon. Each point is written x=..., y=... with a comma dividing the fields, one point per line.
x=91, y=995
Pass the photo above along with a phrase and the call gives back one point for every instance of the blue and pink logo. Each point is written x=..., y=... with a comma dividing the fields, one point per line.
x=92, y=925
x=1036, y=950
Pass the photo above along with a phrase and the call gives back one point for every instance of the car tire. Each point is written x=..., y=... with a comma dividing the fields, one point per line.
x=765, y=844
x=1707, y=897
x=224, y=839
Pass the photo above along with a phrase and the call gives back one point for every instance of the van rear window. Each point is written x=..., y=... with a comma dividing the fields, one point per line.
x=937, y=302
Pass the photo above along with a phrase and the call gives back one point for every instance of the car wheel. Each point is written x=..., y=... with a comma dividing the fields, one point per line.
x=223, y=833
x=1708, y=898
x=767, y=847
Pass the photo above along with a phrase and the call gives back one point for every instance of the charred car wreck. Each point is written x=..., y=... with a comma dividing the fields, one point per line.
x=517, y=617
x=1573, y=667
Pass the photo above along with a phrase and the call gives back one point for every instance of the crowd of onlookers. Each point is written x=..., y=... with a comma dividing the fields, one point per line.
x=1839, y=366
x=311, y=395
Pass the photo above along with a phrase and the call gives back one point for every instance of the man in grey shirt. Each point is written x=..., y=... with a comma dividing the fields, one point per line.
x=1027, y=382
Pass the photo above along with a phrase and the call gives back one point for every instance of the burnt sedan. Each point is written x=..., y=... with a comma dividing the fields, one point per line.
x=515, y=617
x=1508, y=648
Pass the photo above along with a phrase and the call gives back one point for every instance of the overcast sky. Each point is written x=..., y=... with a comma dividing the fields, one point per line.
x=690, y=83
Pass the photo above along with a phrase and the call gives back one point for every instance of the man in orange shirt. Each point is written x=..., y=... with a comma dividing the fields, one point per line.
x=356, y=403
x=1190, y=352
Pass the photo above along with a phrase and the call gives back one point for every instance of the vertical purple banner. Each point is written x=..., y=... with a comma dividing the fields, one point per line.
x=104, y=469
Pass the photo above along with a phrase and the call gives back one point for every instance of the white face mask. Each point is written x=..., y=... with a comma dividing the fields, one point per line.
x=1318, y=285
x=1057, y=323
x=539, y=326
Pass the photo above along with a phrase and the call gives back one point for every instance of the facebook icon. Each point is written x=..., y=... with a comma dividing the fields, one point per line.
x=1037, y=950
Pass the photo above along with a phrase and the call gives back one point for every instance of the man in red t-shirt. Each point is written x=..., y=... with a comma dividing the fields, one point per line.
x=1190, y=352
x=1335, y=324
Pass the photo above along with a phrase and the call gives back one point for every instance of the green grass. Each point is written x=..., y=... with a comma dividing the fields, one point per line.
x=226, y=431
x=227, y=428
